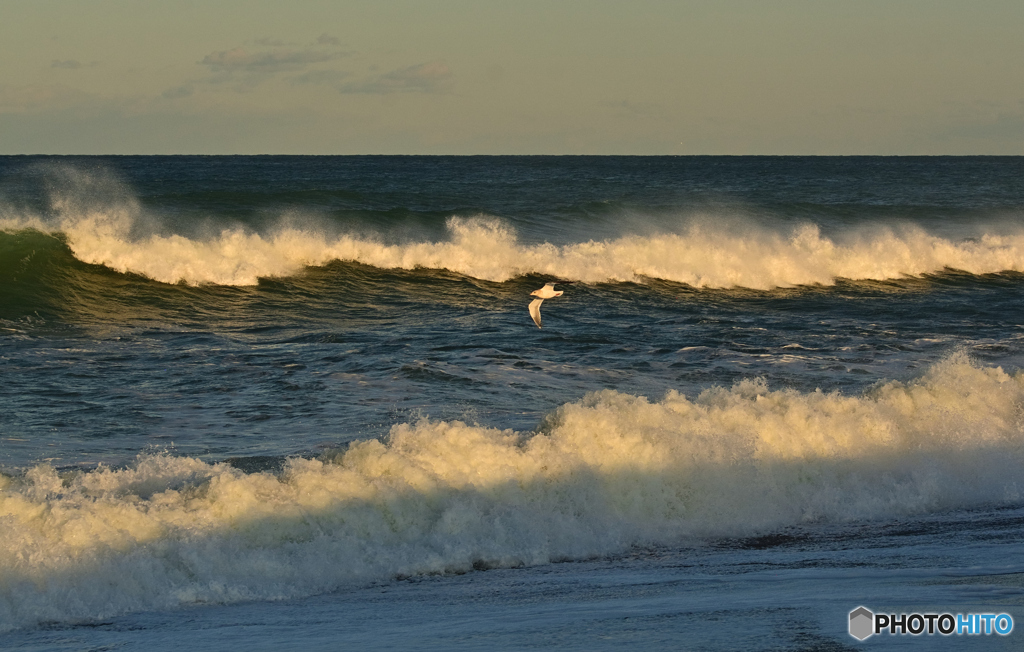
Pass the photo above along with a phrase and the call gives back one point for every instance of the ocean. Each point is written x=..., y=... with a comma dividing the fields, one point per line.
x=275, y=402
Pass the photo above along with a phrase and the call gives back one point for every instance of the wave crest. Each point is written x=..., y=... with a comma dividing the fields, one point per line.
x=488, y=249
x=606, y=472
x=105, y=225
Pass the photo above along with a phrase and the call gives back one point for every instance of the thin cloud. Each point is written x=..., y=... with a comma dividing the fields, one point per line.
x=178, y=92
x=246, y=67
x=433, y=77
x=267, y=61
x=272, y=42
x=320, y=77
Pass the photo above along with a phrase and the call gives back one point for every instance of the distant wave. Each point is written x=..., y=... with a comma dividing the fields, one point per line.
x=486, y=248
x=105, y=225
x=604, y=473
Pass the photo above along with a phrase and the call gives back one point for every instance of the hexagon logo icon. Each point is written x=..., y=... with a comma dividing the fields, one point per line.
x=861, y=623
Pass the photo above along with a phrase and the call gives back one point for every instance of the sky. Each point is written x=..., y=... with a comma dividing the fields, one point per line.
x=894, y=77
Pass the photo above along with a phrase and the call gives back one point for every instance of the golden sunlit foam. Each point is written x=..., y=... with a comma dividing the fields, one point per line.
x=487, y=248
x=604, y=473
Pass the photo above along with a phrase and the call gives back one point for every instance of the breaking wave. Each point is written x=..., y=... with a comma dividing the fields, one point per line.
x=488, y=249
x=104, y=225
x=602, y=474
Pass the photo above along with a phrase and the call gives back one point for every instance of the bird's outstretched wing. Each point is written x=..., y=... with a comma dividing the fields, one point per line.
x=535, y=311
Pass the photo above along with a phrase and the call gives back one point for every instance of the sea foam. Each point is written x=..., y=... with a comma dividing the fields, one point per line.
x=487, y=248
x=105, y=225
x=602, y=474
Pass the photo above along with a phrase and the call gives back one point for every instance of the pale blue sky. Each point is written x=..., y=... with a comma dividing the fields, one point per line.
x=525, y=77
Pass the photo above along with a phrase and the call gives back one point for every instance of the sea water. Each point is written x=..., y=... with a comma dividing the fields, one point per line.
x=276, y=402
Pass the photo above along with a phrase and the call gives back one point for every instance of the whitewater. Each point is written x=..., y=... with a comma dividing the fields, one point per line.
x=702, y=255
x=607, y=472
x=103, y=224
x=284, y=399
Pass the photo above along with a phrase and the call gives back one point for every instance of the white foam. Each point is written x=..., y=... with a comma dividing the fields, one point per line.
x=487, y=248
x=106, y=225
x=606, y=472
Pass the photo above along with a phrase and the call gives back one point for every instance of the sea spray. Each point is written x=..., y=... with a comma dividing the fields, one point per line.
x=486, y=247
x=606, y=472
x=106, y=221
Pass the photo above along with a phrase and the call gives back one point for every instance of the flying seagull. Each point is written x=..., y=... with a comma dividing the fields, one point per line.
x=546, y=292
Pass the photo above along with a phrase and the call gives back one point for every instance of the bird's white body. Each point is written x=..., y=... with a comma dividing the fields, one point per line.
x=546, y=292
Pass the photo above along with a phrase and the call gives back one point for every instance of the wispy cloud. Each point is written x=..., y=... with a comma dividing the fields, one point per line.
x=433, y=77
x=267, y=61
x=245, y=67
x=319, y=77
x=178, y=92
x=272, y=42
